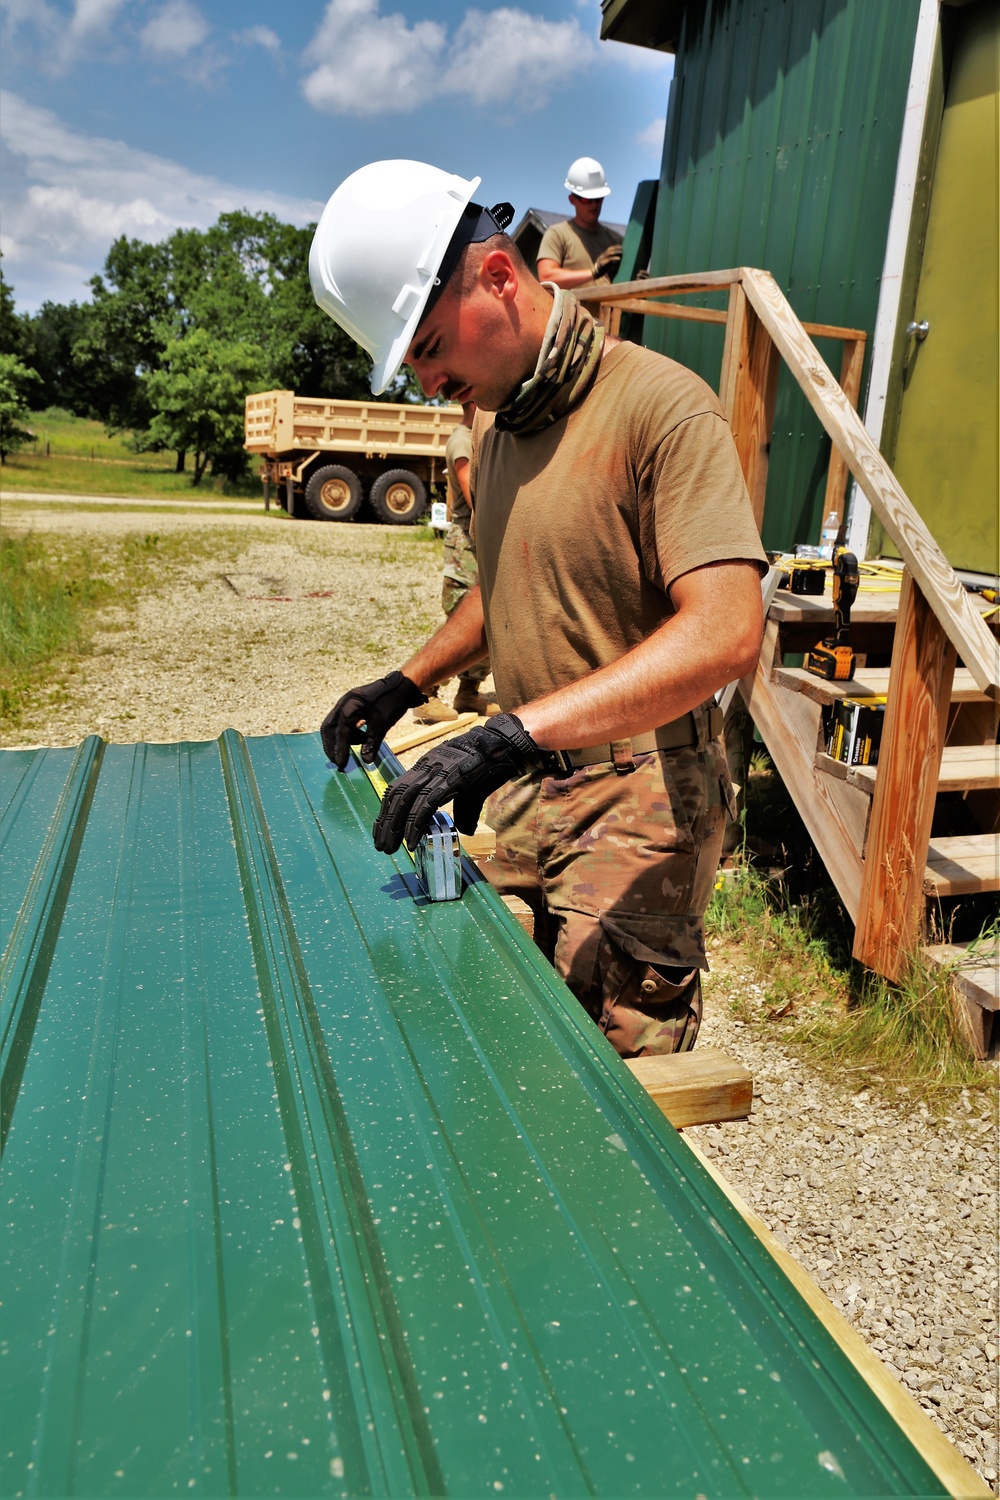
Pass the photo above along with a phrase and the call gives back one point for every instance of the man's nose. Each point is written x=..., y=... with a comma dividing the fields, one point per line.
x=431, y=380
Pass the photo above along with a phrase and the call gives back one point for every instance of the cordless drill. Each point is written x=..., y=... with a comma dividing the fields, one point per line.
x=833, y=657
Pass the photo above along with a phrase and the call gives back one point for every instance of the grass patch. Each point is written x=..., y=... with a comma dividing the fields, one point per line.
x=47, y=600
x=74, y=456
x=792, y=936
x=53, y=589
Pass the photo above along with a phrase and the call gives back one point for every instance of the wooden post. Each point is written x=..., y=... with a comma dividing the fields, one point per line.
x=916, y=714
x=850, y=383
x=610, y=318
x=750, y=382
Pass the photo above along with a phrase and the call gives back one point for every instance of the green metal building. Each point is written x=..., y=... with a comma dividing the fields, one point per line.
x=850, y=148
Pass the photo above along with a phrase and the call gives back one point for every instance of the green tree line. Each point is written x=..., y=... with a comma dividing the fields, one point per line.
x=174, y=335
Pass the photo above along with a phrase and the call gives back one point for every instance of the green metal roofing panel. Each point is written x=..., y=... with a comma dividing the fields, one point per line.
x=780, y=151
x=313, y=1187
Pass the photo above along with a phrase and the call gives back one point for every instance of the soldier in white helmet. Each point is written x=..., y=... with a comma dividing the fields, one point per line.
x=619, y=589
x=582, y=249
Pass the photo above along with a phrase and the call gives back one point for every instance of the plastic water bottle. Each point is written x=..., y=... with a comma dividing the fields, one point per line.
x=829, y=538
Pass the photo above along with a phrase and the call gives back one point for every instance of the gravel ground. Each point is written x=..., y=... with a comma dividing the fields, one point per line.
x=891, y=1210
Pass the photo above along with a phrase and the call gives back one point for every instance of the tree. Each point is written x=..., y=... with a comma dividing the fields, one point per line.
x=16, y=382
x=197, y=396
x=14, y=336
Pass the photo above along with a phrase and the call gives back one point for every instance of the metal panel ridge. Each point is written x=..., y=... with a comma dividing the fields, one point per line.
x=315, y=1187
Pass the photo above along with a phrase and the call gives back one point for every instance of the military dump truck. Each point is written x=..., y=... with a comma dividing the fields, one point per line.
x=324, y=458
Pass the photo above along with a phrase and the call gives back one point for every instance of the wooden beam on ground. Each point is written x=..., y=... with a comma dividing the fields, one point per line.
x=956, y=1476
x=891, y=908
x=703, y=1087
x=923, y=557
x=400, y=743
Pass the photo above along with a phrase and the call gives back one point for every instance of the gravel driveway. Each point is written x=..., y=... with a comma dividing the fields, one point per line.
x=892, y=1211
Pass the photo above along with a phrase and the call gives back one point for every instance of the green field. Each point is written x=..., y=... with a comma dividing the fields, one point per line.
x=74, y=456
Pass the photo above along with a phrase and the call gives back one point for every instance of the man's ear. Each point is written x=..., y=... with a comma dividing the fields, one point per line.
x=499, y=275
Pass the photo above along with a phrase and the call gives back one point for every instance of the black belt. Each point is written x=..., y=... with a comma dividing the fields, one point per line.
x=674, y=736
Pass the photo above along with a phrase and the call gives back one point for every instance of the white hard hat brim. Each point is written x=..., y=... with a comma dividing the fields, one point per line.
x=601, y=192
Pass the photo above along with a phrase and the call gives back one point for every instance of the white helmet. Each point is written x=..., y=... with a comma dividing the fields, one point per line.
x=377, y=251
x=586, y=179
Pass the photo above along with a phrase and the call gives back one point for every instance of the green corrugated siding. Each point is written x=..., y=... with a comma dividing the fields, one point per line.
x=780, y=151
x=311, y=1187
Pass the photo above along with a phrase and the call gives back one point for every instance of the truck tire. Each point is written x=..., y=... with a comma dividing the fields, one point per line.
x=398, y=497
x=333, y=493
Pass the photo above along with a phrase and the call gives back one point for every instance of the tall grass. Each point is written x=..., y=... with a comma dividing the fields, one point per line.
x=778, y=908
x=46, y=603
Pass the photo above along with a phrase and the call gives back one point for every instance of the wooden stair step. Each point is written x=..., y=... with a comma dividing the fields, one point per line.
x=964, y=768
x=867, y=682
x=976, y=971
x=962, y=866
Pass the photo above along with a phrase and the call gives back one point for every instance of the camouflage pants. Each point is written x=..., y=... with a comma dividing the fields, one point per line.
x=461, y=573
x=618, y=870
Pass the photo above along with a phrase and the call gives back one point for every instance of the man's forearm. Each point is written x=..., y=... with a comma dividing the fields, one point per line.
x=679, y=666
x=564, y=278
x=460, y=643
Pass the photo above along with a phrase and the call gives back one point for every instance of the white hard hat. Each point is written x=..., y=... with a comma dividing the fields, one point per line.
x=377, y=251
x=586, y=179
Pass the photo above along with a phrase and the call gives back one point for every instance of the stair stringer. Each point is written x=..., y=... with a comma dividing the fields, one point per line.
x=834, y=812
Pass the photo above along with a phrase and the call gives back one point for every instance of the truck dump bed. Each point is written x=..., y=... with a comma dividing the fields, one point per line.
x=281, y=422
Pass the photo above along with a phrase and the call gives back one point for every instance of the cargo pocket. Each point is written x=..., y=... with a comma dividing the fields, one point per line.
x=650, y=984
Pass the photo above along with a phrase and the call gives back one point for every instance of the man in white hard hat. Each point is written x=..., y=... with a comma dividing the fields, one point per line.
x=619, y=569
x=582, y=249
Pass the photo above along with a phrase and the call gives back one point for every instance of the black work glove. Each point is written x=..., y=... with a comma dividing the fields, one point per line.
x=608, y=261
x=377, y=705
x=467, y=768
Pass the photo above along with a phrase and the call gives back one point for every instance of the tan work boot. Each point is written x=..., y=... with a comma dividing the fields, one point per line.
x=434, y=712
x=469, y=700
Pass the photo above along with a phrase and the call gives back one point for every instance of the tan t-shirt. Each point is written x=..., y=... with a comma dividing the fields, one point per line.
x=576, y=249
x=581, y=528
x=459, y=446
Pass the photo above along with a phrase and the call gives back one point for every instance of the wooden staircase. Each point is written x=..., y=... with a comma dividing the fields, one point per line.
x=836, y=800
x=940, y=662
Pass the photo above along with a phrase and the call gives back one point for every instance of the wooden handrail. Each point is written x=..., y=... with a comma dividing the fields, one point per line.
x=938, y=581
x=931, y=570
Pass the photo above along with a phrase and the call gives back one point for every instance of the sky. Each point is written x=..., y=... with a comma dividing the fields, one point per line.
x=136, y=117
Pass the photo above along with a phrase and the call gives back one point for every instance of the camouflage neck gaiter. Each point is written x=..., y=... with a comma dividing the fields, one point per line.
x=567, y=367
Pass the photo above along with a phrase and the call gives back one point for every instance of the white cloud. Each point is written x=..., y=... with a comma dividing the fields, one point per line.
x=508, y=56
x=175, y=30
x=650, y=137
x=68, y=195
x=63, y=40
x=374, y=64
x=259, y=36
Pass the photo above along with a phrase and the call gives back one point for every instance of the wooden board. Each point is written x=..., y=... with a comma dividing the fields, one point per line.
x=817, y=609
x=400, y=743
x=867, y=682
x=962, y=866
x=702, y=1087
x=963, y=768
x=957, y=1477
x=978, y=971
x=927, y=563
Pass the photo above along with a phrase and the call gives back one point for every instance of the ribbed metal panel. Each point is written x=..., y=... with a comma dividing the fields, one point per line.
x=312, y=1187
x=780, y=151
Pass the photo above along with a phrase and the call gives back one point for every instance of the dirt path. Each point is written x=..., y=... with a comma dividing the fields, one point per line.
x=893, y=1212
